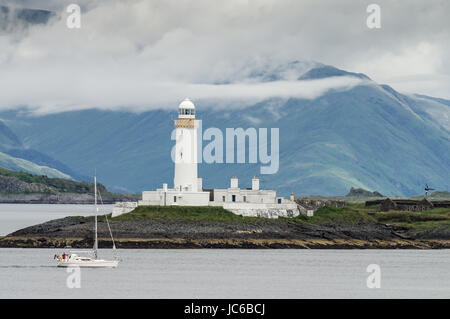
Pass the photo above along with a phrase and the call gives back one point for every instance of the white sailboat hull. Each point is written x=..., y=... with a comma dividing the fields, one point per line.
x=93, y=263
x=73, y=260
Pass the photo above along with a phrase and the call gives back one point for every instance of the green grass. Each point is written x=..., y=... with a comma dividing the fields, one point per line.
x=353, y=213
x=434, y=218
x=184, y=213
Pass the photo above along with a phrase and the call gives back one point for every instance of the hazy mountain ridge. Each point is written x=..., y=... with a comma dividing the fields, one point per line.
x=322, y=71
x=16, y=18
x=14, y=155
x=370, y=137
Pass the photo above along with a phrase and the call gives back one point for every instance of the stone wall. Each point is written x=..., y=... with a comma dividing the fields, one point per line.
x=263, y=210
x=314, y=205
x=123, y=208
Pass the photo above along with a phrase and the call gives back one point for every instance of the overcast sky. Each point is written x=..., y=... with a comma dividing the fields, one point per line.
x=146, y=54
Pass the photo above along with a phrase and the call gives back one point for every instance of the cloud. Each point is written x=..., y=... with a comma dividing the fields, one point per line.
x=145, y=54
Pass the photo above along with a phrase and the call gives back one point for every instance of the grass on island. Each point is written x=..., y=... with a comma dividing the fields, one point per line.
x=430, y=219
x=356, y=213
x=184, y=213
x=353, y=213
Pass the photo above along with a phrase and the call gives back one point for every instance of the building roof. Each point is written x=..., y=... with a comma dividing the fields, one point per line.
x=186, y=104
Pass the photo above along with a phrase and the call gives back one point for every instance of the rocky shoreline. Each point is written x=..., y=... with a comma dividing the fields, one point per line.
x=77, y=232
x=231, y=243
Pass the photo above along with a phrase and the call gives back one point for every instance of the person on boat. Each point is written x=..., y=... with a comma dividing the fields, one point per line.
x=64, y=256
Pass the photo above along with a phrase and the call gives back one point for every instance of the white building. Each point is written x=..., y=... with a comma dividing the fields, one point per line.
x=188, y=189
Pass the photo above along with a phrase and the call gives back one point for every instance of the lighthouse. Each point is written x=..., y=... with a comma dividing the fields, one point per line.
x=187, y=186
x=186, y=176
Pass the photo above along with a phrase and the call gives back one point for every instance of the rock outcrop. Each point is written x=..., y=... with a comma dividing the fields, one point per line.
x=13, y=185
x=77, y=232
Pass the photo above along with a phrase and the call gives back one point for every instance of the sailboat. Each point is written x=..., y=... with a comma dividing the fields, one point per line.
x=74, y=260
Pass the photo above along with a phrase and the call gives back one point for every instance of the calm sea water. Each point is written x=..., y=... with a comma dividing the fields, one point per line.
x=211, y=273
x=31, y=273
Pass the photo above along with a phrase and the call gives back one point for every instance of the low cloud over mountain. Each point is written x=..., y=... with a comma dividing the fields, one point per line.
x=141, y=55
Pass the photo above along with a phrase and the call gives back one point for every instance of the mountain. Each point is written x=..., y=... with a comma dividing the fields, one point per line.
x=13, y=155
x=19, y=164
x=359, y=192
x=7, y=138
x=326, y=71
x=12, y=18
x=369, y=136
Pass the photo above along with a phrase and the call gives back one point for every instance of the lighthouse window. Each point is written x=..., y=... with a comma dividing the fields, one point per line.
x=186, y=112
x=223, y=198
x=174, y=199
x=245, y=198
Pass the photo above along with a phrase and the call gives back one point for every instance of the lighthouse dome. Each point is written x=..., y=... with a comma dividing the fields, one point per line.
x=186, y=104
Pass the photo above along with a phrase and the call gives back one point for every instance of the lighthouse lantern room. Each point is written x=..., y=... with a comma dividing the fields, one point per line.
x=186, y=175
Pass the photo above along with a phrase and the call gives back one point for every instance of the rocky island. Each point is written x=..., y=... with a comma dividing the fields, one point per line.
x=339, y=222
x=352, y=226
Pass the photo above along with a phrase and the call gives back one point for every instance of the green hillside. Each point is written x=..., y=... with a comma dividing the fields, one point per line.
x=19, y=164
x=49, y=184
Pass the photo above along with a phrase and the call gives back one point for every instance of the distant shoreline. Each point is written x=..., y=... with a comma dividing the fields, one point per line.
x=63, y=198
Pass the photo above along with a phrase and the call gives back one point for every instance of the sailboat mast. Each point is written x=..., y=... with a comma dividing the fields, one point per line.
x=96, y=210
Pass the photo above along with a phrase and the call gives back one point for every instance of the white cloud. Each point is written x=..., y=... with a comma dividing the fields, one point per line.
x=422, y=58
x=412, y=70
x=143, y=54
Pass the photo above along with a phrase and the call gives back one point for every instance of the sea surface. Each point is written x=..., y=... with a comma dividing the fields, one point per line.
x=216, y=273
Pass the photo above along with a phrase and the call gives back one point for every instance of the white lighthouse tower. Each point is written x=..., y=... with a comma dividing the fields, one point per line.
x=188, y=190
x=185, y=178
x=187, y=186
